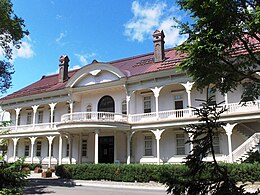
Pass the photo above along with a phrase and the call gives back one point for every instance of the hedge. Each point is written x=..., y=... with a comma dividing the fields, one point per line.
x=145, y=173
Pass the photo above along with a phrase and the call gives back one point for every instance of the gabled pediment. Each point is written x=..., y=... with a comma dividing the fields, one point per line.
x=93, y=74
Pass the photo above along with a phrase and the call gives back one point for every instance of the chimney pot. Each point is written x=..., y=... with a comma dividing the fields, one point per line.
x=63, y=68
x=158, y=40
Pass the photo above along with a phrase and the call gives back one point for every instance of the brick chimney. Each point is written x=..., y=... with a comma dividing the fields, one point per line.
x=158, y=40
x=63, y=68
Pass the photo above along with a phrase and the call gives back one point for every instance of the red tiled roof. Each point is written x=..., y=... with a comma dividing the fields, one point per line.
x=136, y=65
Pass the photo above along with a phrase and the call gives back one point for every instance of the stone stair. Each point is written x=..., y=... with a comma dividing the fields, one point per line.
x=250, y=145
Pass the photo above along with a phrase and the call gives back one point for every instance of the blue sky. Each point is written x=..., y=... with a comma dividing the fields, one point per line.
x=86, y=30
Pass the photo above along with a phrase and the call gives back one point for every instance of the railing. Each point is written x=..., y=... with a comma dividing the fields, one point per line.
x=168, y=115
x=240, y=107
x=246, y=146
x=93, y=116
x=31, y=127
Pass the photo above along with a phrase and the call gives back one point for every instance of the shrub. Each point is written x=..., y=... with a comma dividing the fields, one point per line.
x=12, y=177
x=146, y=173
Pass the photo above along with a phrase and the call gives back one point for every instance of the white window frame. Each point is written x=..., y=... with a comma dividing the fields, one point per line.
x=40, y=116
x=147, y=104
x=124, y=107
x=88, y=109
x=216, y=143
x=38, y=148
x=29, y=118
x=84, y=148
x=148, y=145
x=180, y=144
x=26, y=148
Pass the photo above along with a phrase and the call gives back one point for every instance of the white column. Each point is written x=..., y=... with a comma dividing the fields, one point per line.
x=60, y=149
x=96, y=146
x=80, y=148
x=34, y=113
x=71, y=108
x=70, y=138
x=128, y=97
x=33, y=139
x=158, y=134
x=188, y=87
x=50, y=139
x=17, y=111
x=52, y=106
x=156, y=92
x=129, y=136
x=226, y=99
x=229, y=128
x=191, y=139
x=15, y=140
x=115, y=146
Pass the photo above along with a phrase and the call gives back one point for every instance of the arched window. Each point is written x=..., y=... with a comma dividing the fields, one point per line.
x=106, y=104
x=124, y=110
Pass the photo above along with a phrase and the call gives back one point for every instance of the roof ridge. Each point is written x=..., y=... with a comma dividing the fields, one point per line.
x=137, y=56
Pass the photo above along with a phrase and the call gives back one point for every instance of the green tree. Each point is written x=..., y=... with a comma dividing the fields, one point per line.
x=223, y=45
x=11, y=32
x=205, y=177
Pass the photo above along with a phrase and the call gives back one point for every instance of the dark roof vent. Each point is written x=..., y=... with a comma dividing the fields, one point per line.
x=63, y=68
x=158, y=40
x=94, y=61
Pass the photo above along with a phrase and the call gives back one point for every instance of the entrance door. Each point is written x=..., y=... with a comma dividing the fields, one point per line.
x=106, y=149
x=178, y=104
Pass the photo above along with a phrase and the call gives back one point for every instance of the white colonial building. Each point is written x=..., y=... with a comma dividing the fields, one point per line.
x=126, y=111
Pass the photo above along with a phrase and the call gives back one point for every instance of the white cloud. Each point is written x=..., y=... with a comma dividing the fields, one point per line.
x=84, y=58
x=149, y=17
x=58, y=17
x=25, y=50
x=59, y=39
x=74, y=67
x=172, y=36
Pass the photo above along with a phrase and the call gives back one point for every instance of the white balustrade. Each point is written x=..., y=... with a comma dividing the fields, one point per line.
x=244, y=148
x=169, y=115
x=93, y=116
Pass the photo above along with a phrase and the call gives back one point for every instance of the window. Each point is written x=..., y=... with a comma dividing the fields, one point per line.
x=26, y=148
x=216, y=144
x=178, y=105
x=38, y=148
x=148, y=144
x=147, y=104
x=40, y=117
x=84, y=148
x=19, y=120
x=29, y=118
x=124, y=107
x=180, y=144
x=88, y=110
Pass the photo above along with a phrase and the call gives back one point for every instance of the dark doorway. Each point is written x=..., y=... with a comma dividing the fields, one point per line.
x=106, y=149
x=178, y=108
x=106, y=104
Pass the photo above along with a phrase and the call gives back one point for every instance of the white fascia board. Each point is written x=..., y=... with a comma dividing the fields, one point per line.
x=42, y=98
